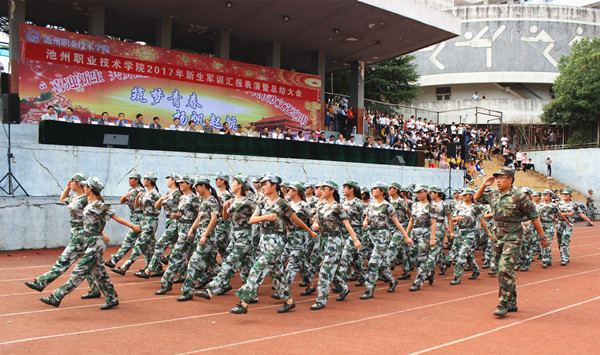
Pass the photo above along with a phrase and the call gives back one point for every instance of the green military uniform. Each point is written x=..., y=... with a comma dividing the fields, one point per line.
x=350, y=255
x=169, y=237
x=564, y=231
x=548, y=216
x=136, y=218
x=223, y=227
x=397, y=239
x=442, y=209
x=508, y=209
x=465, y=239
x=298, y=240
x=421, y=236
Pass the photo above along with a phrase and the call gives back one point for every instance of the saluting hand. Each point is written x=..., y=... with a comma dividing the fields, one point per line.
x=489, y=181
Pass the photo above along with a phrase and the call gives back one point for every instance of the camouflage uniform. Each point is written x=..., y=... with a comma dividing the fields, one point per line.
x=330, y=218
x=188, y=210
x=489, y=245
x=95, y=216
x=76, y=246
x=548, y=215
x=350, y=255
x=397, y=239
x=316, y=252
x=563, y=231
x=145, y=242
x=435, y=254
x=298, y=240
x=380, y=217
x=407, y=252
x=136, y=219
x=223, y=228
x=421, y=236
x=271, y=244
x=169, y=237
x=529, y=238
x=241, y=244
x=465, y=239
x=508, y=210
x=203, y=260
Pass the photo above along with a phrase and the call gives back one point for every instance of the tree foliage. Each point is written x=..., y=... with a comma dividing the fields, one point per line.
x=577, y=88
x=393, y=81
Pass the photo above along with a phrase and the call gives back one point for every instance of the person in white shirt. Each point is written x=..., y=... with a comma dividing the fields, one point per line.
x=70, y=117
x=277, y=134
x=50, y=115
x=475, y=96
x=352, y=141
x=504, y=141
x=176, y=126
x=300, y=136
x=341, y=140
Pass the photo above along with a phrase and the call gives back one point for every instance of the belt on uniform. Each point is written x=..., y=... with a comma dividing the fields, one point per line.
x=504, y=224
x=150, y=215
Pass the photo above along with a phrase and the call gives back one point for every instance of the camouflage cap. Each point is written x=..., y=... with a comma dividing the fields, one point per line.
x=285, y=184
x=567, y=191
x=396, y=185
x=94, y=183
x=222, y=176
x=309, y=184
x=536, y=193
x=241, y=178
x=411, y=189
x=467, y=191
x=404, y=188
x=590, y=190
x=549, y=192
x=505, y=171
x=201, y=180
x=331, y=184
x=364, y=189
x=412, y=185
x=297, y=185
x=186, y=178
x=526, y=190
x=150, y=176
x=420, y=187
x=173, y=176
x=275, y=179
x=135, y=175
x=79, y=177
x=381, y=185
x=457, y=190
x=256, y=179
x=487, y=189
x=435, y=188
x=352, y=183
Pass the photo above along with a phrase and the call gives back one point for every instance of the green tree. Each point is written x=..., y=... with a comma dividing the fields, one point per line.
x=393, y=81
x=577, y=89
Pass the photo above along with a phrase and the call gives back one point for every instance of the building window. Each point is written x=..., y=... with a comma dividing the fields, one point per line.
x=443, y=93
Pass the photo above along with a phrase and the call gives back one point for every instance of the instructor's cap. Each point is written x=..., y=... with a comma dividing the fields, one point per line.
x=505, y=171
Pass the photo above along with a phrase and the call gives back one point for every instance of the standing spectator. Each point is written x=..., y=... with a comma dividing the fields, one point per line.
x=518, y=160
x=139, y=123
x=552, y=138
x=475, y=96
x=50, y=115
x=328, y=118
x=549, y=167
x=155, y=123
x=504, y=141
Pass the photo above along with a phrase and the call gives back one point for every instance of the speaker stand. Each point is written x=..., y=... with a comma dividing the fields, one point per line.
x=11, y=180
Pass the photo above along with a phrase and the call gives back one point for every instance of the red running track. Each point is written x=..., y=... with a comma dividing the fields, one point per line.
x=559, y=311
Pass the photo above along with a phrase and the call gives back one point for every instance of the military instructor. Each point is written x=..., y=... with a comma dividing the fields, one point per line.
x=509, y=206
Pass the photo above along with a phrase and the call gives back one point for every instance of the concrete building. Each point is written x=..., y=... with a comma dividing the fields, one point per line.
x=508, y=52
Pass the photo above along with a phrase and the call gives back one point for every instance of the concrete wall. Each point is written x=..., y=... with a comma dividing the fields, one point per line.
x=574, y=167
x=44, y=170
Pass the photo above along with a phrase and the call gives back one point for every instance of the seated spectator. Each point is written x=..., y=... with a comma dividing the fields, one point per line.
x=529, y=165
x=368, y=143
x=226, y=130
x=139, y=121
x=524, y=160
x=352, y=141
x=479, y=168
x=70, y=117
x=191, y=127
x=102, y=120
x=378, y=143
x=155, y=123
x=300, y=136
x=322, y=138
x=288, y=134
x=331, y=139
x=50, y=115
x=176, y=126
x=265, y=133
x=121, y=122
x=206, y=128
x=312, y=137
x=443, y=164
x=341, y=140
x=386, y=145
x=277, y=134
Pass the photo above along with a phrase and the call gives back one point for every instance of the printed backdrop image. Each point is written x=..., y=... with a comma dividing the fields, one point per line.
x=94, y=74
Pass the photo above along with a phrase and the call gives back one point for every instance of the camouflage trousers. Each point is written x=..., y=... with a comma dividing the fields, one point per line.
x=466, y=245
x=202, y=262
x=72, y=252
x=391, y=253
x=488, y=251
x=239, y=254
x=526, y=256
x=297, y=243
x=380, y=238
x=167, y=240
x=145, y=242
x=272, y=245
x=421, y=238
x=435, y=256
x=179, y=254
x=506, y=252
x=350, y=257
x=563, y=233
x=313, y=262
x=549, y=230
x=332, y=250
x=90, y=264
x=222, y=234
x=129, y=240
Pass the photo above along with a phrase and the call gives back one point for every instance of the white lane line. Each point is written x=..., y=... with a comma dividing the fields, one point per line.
x=369, y=318
x=24, y=267
x=37, y=293
x=504, y=326
x=265, y=307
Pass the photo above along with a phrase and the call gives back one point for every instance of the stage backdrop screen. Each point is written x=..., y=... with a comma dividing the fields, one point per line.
x=95, y=74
